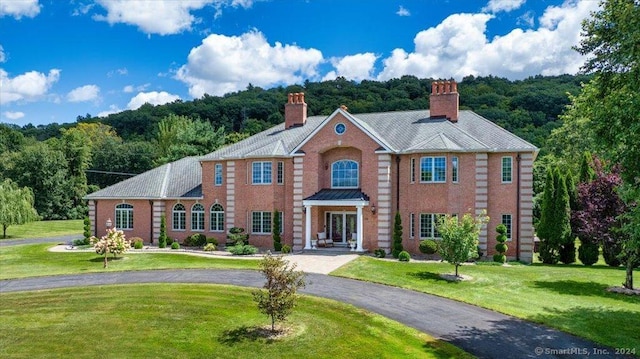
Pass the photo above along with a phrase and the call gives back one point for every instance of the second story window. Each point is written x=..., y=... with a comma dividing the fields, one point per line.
x=218, y=174
x=433, y=169
x=280, y=173
x=261, y=173
x=506, y=169
x=454, y=169
x=344, y=174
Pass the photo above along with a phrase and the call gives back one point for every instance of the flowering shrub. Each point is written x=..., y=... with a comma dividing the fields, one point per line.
x=113, y=242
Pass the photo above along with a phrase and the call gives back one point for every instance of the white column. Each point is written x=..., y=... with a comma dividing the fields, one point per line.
x=307, y=229
x=359, y=228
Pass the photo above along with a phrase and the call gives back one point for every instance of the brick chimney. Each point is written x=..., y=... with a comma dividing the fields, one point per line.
x=295, y=111
x=444, y=100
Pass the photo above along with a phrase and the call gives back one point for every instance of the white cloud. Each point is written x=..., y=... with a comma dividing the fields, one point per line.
x=19, y=8
x=13, y=115
x=495, y=6
x=131, y=88
x=3, y=57
x=153, y=98
x=27, y=86
x=84, y=93
x=163, y=17
x=458, y=47
x=112, y=109
x=526, y=19
x=123, y=71
x=223, y=64
x=403, y=12
x=354, y=67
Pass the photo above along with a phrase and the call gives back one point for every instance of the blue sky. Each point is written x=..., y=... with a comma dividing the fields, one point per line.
x=60, y=59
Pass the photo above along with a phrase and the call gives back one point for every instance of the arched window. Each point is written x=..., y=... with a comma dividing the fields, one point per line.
x=197, y=217
x=217, y=218
x=344, y=174
x=124, y=216
x=179, y=217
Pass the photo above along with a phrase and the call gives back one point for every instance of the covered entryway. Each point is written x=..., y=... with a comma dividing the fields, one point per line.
x=340, y=225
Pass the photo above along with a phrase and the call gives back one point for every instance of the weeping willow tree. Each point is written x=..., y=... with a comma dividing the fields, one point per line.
x=16, y=205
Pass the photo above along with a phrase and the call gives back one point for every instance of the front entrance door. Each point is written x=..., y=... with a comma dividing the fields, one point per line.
x=341, y=225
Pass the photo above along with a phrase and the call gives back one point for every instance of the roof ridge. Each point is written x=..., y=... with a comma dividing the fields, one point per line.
x=165, y=182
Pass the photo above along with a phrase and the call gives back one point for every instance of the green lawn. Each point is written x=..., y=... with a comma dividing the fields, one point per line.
x=195, y=321
x=572, y=298
x=45, y=229
x=35, y=260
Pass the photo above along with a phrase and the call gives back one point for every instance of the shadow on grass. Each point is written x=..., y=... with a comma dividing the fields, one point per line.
x=101, y=259
x=514, y=338
x=245, y=333
x=430, y=276
x=572, y=287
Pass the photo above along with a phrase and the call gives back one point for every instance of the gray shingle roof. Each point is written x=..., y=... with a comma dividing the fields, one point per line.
x=179, y=179
x=327, y=194
x=399, y=132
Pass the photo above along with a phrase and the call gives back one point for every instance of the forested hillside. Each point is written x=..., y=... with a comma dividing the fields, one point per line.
x=62, y=163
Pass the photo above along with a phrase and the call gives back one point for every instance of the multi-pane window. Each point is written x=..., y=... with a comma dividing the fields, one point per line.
x=412, y=226
x=433, y=169
x=428, y=225
x=179, y=217
x=506, y=220
x=124, y=216
x=261, y=173
x=217, y=218
x=454, y=169
x=412, y=168
x=344, y=174
x=261, y=222
x=280, y=173
x=218, y=174
x=197, y=217
x=507, y=168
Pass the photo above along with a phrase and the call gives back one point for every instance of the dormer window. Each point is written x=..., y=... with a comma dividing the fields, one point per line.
x=344, y=174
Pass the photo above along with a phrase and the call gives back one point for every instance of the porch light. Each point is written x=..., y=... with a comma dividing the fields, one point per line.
x=373, y=208
x=109, y=223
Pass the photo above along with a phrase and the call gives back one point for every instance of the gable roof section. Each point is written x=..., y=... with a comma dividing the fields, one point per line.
x=179, y=179
x=363, y=126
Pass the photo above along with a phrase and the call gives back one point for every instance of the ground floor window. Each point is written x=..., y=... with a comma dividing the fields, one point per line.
x=506, y=220
x=179, y=217
x=197, y=217
x=261, y=222
x=124, y=216
x=217, y=218
x=428, y=225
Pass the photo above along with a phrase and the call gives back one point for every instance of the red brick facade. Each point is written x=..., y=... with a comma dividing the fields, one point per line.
x=390, y=181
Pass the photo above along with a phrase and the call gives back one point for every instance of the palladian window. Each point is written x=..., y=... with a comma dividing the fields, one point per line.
x=344, y=174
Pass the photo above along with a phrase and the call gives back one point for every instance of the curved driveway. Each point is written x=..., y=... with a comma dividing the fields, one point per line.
x=481, y=332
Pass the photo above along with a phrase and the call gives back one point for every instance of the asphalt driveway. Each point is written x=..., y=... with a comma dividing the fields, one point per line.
x=481, y=332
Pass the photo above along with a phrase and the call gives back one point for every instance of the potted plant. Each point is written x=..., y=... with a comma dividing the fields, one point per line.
x=352, y=244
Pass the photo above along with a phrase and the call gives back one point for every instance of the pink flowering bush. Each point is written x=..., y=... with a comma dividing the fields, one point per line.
x=113, y=242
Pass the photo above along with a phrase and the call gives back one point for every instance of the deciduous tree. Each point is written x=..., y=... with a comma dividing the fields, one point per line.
x=460, y=237
x=16, y=206
x=279, y=296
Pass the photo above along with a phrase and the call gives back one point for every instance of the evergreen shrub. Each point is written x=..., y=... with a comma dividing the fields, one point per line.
x=404, y=256
x=428, y=246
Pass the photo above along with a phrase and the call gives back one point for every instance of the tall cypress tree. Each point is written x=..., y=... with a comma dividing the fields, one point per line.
x=397, y=236
x=567, y=198
x=554, y=229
